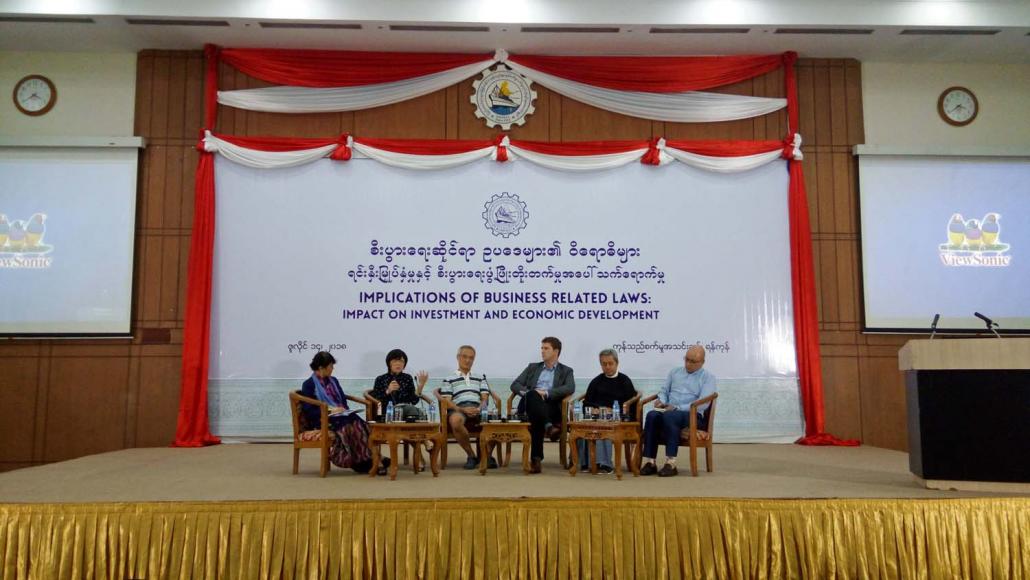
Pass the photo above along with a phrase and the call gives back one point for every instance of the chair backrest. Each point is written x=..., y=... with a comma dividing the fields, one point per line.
x=297, y=413
x=708, y=417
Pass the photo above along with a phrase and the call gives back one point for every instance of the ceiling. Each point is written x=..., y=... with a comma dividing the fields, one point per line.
x=971, y=31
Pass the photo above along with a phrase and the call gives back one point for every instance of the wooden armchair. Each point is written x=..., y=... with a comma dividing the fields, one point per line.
x=563, y=438
x=625, y=411
x=692, y=436
x=374, y=404
x=307, y=437
x=445, y=426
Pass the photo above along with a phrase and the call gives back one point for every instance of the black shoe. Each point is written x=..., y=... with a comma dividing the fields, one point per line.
x=648, y=469
x=668, y=470
x=554, y=433
x=534, y=466
x=471, y=463
x=491, y=463
x=605, y=469
x=384, y=466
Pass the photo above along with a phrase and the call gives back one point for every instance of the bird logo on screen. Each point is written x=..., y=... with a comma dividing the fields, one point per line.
x=21, y=242
x=974, y=242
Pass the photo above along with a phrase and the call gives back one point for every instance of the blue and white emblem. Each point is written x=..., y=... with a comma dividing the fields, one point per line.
x=505, y=214
x=503, y=97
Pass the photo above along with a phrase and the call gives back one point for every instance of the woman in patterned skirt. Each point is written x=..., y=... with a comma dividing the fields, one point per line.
x=350, y=447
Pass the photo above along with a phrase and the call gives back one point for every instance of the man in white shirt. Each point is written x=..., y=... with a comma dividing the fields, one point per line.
x=468, y=393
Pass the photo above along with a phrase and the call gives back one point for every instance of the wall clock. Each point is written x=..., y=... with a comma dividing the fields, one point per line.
x=35, y=95
x=958, y=106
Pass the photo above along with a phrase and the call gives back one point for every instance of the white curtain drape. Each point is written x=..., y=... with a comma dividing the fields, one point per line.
x=287, y=99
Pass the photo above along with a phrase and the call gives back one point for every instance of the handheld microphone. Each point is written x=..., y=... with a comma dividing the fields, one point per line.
x=933, y=325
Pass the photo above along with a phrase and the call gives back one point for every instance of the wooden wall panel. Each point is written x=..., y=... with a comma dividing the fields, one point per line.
x=70, y=399
x=19, y=388
x=85, y=406
x=842, y=404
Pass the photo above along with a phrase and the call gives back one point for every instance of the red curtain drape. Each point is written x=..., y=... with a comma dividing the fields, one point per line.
x=653, y=74
x=341, y=68
x=802, y=267
x=193, y=428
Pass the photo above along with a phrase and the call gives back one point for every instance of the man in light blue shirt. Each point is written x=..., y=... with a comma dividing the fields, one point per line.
x=683, y=386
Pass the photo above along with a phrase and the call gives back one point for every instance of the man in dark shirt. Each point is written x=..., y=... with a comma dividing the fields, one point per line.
x=605, y=390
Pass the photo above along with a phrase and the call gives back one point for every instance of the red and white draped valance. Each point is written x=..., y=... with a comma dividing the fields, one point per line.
x=658, y=88
x=719, y=156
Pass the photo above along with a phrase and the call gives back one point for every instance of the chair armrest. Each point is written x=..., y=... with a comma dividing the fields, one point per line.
x=358, y=400
x=643, y=403
x=368, y=397
x=308, y=400
x=699, y=402
x=629, y=403
x=497, y=400
x=511, y=400
x=426, y=398
x=565, y=404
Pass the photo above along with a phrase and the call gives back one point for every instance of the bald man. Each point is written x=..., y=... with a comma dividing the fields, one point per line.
x=671, y=414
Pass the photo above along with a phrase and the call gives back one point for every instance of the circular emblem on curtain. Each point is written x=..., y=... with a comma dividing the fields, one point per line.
x=503, y=97
x=505, y=214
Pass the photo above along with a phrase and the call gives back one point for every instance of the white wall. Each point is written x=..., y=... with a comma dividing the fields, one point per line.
x=900, y=104
x=96, y=93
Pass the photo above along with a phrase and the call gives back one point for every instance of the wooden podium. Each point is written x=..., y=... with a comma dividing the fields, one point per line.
x=969, y=412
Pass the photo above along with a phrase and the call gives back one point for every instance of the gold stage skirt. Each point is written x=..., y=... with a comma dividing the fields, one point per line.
x=510, y=538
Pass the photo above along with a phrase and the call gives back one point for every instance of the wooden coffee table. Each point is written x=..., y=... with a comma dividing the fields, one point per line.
x=617, y=432
x=393, y=434
x=503, y=433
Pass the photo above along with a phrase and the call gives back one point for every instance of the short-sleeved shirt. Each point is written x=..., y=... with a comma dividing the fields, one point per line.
x=464, y=389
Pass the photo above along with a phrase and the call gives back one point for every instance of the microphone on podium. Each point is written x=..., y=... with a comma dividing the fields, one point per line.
x=991, y=325
x=933, y=325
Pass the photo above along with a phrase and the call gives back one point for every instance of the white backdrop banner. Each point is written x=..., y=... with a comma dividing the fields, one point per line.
x=359, y=258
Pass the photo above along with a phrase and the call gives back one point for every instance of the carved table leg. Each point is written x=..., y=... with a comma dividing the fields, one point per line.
x=434, y=456
x=575, y=455
x=484, y=444
x=376, y=460
x=393, y=457
x=617, y=444
x=526, y=445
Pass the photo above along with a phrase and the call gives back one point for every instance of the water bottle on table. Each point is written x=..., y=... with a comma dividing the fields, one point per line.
x=616, y=415
x=389, y=412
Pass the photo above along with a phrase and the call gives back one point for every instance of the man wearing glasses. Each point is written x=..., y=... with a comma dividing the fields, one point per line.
x=671, y=414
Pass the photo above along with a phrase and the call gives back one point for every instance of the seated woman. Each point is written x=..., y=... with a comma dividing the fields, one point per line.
x=398, y=387
x=350, y=448
x=606, y=388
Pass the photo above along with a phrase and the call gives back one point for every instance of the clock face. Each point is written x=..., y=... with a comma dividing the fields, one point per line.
x=957, y=106
x=34, y=95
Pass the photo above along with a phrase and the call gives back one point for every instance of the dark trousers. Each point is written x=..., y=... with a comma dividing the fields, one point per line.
x=541, y=411
x=665, y=428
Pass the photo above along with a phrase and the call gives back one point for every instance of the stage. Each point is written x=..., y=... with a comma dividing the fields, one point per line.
x=262, y=472
x=236, y=511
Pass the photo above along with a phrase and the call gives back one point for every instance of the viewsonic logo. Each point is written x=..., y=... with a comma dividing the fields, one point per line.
x=21, y=243
x=975, y=243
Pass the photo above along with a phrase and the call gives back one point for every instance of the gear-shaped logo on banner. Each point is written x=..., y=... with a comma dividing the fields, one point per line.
x=503, y=97
x=505, y=214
